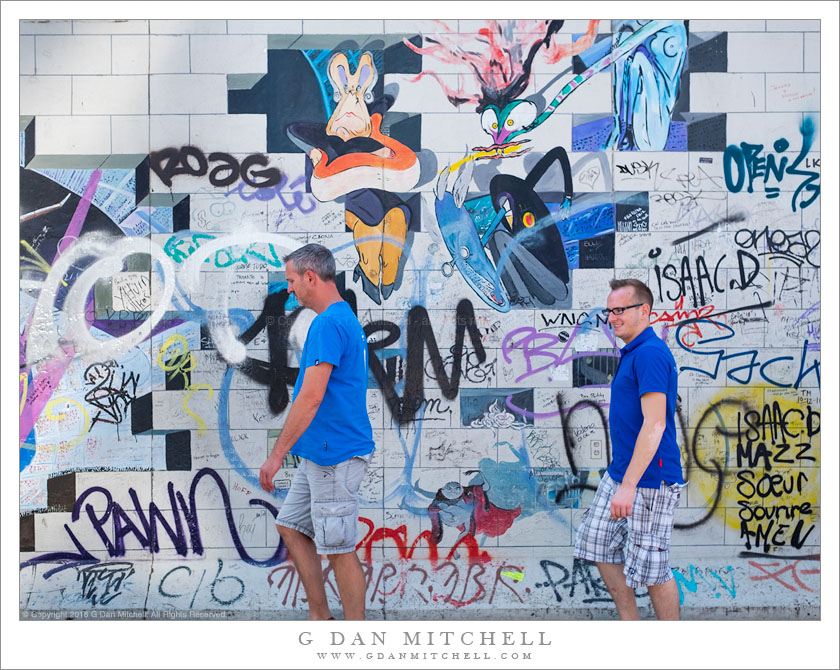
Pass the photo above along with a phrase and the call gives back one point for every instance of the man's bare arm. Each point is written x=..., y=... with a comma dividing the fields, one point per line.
x=301, y=413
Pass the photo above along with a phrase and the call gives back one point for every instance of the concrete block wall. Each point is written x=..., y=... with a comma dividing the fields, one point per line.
x=160, y=190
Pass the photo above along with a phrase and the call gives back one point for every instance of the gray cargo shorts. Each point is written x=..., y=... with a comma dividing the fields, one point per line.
x=323, y=503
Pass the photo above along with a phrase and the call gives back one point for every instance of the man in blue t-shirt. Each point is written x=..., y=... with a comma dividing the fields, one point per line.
x=329, y=429
x=627, y=529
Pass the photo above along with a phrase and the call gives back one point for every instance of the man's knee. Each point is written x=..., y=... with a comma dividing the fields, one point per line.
x=291, y=535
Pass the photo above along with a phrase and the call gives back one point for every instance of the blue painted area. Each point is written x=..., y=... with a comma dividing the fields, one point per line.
x=591, y=136
x=690, y=583
x=73, y=180
x=646, y=82
x=572, y=254
x=27, y=449
x=467, y=252
x=482, y=212
x=589, y=223
x=115, y=191
x=317, y=61
x=161, y=219
x=677, y=137
x=511, y=482
x=594, y=53
x=401, y=489
x=277, y=286
x=228, y=449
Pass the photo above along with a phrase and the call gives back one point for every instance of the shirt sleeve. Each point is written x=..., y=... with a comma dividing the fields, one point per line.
x=324, y=343
x=653, y=372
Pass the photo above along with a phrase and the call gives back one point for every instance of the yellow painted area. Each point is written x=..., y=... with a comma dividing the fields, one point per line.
x=202, y=426
x=752, y=491
x=175, y=357
x=24, y=377
x=518, y=576
x=179, y=361
x=37, y=262
x=58, y=416
x=482, y=154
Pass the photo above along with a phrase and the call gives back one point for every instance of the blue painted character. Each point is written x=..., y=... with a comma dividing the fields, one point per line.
x=646, y=85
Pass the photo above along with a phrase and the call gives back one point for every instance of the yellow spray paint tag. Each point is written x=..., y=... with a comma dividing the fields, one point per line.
x=518, y=576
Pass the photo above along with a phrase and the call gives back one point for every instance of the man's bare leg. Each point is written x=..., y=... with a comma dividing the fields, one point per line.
x=308, y=565
x=623, y=596
x=666, y=600
x=350, y=578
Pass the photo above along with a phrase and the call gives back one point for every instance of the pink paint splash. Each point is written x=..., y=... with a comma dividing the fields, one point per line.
x=42, y=386
x=499, y=58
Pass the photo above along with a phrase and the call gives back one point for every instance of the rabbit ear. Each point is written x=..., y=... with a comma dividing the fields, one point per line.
x=367, y=76
x=338, y=72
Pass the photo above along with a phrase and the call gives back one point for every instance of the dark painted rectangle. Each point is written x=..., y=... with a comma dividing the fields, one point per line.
x=597, y=252
x=178, y=451
x=27, y=532
x=61, y=493
x=141, y=415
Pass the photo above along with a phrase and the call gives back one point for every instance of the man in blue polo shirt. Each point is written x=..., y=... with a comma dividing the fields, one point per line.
x=627, y=529
x=329, y=428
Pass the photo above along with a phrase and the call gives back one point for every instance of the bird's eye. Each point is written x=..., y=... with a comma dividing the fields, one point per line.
x=489, y=121
x=521, y=115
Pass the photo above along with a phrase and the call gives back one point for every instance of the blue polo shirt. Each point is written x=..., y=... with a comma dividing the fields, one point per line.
x=646, y=365
x=341, y=427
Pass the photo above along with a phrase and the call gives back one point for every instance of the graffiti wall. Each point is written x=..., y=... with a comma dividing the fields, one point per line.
x=479, y=183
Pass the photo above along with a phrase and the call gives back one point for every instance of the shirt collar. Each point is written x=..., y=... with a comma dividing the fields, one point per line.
x=637, y=341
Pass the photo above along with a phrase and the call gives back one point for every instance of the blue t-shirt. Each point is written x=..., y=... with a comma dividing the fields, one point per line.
x=341, y=427
x=646, y=365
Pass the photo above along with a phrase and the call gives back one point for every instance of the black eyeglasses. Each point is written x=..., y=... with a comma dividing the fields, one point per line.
x=619, y=310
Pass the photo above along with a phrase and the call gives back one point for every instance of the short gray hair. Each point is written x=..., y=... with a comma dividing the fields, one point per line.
x=315, y=257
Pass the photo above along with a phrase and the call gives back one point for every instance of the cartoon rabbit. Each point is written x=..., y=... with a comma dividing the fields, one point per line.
x=352, y=157
x=351, y=92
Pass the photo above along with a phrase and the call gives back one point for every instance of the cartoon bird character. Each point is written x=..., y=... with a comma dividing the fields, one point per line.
x=536, y=262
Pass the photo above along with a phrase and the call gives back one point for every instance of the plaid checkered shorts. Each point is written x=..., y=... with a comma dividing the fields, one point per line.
x=641, y=541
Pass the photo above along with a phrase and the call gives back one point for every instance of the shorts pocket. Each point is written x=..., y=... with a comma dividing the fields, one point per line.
x=647, y=561
x=336, y=522
x=618, y=538
x=650, y=542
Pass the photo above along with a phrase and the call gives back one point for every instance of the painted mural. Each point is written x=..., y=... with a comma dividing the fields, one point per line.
x=479, y=183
